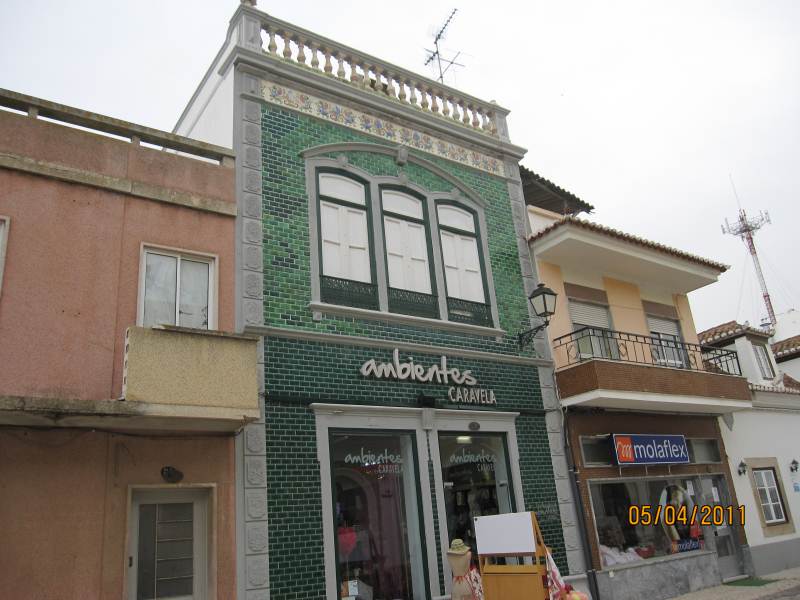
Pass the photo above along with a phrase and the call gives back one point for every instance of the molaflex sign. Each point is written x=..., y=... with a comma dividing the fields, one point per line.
x=637, y=449
x=463, y=386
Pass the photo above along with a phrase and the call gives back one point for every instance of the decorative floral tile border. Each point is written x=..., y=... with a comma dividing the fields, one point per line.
x=330, y=111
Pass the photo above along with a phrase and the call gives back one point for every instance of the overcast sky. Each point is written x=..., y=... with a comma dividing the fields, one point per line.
x=642, y=109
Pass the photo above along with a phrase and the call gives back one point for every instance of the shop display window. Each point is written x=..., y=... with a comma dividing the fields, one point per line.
x=377, y=516
x=476, y=480
x=622, y=540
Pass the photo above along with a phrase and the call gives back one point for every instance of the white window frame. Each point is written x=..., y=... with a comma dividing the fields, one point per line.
x=777, y=488
x=467, y=200
x=6, y=225
x=764, y=361
x=180, y=253
x=426, y=423
x=203, y=533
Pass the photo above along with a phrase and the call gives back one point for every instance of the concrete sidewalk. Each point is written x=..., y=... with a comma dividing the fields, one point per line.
x=786, y=585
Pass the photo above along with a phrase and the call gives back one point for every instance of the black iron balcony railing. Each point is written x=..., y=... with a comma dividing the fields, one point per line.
x=666, y=351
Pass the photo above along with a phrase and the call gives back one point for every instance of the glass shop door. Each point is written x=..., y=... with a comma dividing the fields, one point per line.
x=476, y=478
x=715, y=493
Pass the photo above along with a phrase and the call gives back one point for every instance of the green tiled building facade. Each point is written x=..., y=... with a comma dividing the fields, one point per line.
x=308, y=368
x=382, y=258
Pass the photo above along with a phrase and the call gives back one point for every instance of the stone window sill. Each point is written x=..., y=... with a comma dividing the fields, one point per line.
x=376, y=315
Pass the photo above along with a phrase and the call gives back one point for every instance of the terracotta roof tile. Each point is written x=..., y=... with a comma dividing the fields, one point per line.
x=728, y=330
x=787, y=348
x=633, y=239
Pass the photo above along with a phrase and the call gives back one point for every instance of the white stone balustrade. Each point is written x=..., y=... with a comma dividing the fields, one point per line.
x=283, y=41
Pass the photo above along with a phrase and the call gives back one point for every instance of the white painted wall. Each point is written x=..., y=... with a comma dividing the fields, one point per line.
x=540, y=219
x=764, y=433
x=792, y=368
x=210, y=118
x=747, y=360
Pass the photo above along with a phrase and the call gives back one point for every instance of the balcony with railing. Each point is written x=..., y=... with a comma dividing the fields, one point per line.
x=615, y=369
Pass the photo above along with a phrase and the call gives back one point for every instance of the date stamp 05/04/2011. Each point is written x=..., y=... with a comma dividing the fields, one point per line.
x=704, y=515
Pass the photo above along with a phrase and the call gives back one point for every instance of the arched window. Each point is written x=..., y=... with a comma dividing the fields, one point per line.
x=408, y=254
x=345, y=241
x=463, y=265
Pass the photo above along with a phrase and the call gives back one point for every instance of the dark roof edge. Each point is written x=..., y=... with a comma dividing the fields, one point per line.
x=571, y=203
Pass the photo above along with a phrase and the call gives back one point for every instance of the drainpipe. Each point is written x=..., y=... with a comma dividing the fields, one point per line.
x=591, y=574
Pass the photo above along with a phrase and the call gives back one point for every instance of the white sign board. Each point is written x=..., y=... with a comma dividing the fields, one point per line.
x=511, y=533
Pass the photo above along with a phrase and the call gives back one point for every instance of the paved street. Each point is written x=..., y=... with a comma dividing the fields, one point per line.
x=785, y=587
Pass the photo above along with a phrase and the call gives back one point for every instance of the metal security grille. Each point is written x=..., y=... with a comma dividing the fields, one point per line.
x=165, y=554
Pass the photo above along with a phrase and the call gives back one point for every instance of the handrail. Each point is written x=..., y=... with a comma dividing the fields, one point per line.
x=38, y=107
x=588, y=343
x=327, y=57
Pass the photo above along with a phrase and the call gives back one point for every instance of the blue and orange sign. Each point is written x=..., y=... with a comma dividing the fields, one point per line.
x=637, y=449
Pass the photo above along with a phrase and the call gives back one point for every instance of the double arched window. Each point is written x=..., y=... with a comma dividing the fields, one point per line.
x=387, y=247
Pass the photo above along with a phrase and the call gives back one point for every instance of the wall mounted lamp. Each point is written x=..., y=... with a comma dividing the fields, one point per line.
x=742, y=468
x=543, y=301
x=794, y=465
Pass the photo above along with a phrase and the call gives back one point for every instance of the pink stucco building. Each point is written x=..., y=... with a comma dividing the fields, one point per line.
x=120, y=392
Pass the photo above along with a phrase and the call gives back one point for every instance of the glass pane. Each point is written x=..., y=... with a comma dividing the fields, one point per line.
x=596, y=450
x=762, y=495
x=769, y=516
x=622, y=543
x=175, y=548
x=172, y=588
x=194, y=294
x=778, y=510
x=175, y=531
x=340, y=187
x=476, y=481
x=160, y=281
x=378, y=539
x=170, y=568
x=773, y=495
x=704, y=451
x=402, y=204
x=146, y=559
x=181, y=511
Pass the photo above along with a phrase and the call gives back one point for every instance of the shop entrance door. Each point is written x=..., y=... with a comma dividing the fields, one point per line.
x=715, y=493
x=476, y=481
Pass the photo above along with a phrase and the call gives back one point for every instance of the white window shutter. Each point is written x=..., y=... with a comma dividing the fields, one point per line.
x=345, y=242
x=462, y=267
x=407, y=255
x=589, y=315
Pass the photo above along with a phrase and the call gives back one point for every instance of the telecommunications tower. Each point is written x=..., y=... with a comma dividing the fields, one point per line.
x=744, y=228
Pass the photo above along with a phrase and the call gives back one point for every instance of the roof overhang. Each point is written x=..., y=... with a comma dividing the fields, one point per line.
x=572, y=246
x=646, y=401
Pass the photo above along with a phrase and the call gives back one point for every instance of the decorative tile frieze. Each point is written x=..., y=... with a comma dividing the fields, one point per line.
x=331, y=111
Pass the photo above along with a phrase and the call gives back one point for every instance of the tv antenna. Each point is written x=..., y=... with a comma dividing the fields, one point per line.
x=436, y=54
x=744, y=228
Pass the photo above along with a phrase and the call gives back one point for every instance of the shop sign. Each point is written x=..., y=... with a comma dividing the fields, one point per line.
x=636, y=449
x=463, y=384
x=379, y=462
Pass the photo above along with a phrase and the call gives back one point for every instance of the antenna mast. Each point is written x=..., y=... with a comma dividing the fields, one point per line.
x=744, y=228
x=437, y=55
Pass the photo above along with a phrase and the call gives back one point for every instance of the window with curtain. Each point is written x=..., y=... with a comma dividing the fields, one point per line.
x=345, y=240
x=176, y=289
x=408, y=254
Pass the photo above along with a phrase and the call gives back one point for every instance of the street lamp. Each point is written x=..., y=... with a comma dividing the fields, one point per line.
x=543, y=302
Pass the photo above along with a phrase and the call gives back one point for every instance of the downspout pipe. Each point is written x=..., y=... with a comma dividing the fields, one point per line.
x=591, y=573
